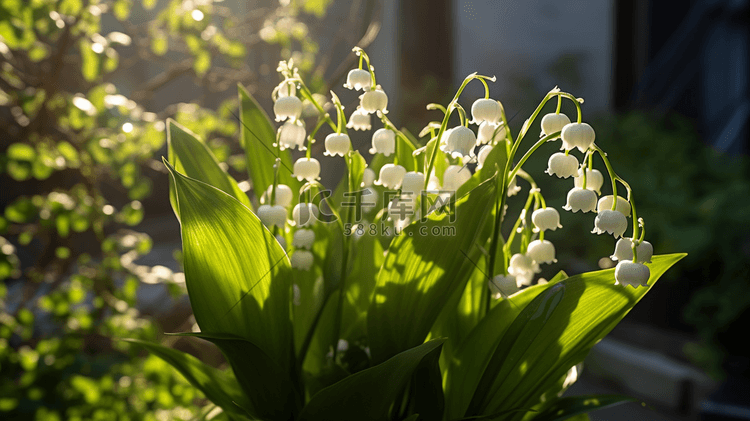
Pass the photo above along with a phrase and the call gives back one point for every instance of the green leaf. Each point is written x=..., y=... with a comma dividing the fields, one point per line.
x=421, y=272
x=552, y=333
x=368, y=394
x=90, y=61
x=258, y=137
x=565, y=408
x=21, y=152
x=193, y=158
x=220, y=387
x=266, y=385
x=236, y=273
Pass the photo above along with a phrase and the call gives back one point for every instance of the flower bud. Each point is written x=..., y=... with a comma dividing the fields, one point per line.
x=302, y=260
x=303, y=238
x=374, y=100
x=552, y=123
x=454, y=177
x=337, y=144
x=580, y=199
x=368, y=177
x=307, y=169
x=272, y=215
x=594, y=180
x=611, y=222
x=623, y=206
x=513, y=188
x=578, y=135
x=461, y=142
x=291, y=134
x=358, y=79
x=489, y=133
x=541, y=251
x=624, y=250
x=485, y=110
x=287, y=107
x=383, y=141
x=631, y=273
x=546, y=219
x=305, y=214
x=359, y=120
x=391, y=176
x=561, y=165
x=283, y=195
x=503, y=285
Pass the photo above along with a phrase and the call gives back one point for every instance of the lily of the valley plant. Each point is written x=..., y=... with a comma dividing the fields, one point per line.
x=398, y=296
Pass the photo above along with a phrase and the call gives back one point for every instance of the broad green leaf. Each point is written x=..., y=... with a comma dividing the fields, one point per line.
x=421, y=272
x=566, y=408
x=426, y=388
x=258, y=137
x=236, y=273
x=266, y=385
x=554, y=332
x=220, y=387
x=367, y=255
x=368, y=394
x=193, y=158
x=441, y=161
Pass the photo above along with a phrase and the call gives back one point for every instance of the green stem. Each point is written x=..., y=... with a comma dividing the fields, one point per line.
x=612, y=175
x=344, y=264
x=528, y=153
x=310, y=139
x=486, y=89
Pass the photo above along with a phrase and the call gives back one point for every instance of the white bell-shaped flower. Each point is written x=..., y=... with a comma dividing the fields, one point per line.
x=523, y=268
x=374, y=100
x=307, y=169
x=454, y=177
x=546, y=219
x=272, y=216
x=580, y=200
x=303, y=238
x=359, y=120
x=287, y=107
x=552, y=123
x=623, y=206
x=594, y=180
x=503, y=285
x=485, y=110
x=561, y=165
x=461, y=142
x=541, y=251
x=444, y=138
x=383, y=141
x=413, y=184
x=305, y=214
x=302, y=260
x=490, y=133
x=391, y=176
x=631, y=273
x=337, y=144
x=624, y=250
x=482, y=156
x=578, y=135
x=611, y=222
x=368, y=178
x=358, y=79
x=283, y=195
x=291, y=134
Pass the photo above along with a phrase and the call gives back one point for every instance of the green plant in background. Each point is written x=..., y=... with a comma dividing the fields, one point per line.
x=398, y=298
x=77, y=159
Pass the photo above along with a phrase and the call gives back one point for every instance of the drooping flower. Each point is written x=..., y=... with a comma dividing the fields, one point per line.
x=307, y=169
x=302, y=260
x=359, y=120
x=482, y=156
x=413, y=184
x=578, y=135
x=454, y=177
x=594, y=180
x=631, y=273
x=623, y=206
x=391, y=176
x=580, y=200
x=485, y=110
x=358, y=79
x=337, y=144
x=489, y=132
x=283, y=195
x=461, y=142
x=291, y=134
x=305, y=214
x=374, y=100
x=503, y=285
x=272, y=216
x=624, y=250
x=287, y=107
x=611, y=222
x=546, y=219
x=303, y=238
x=541, y=251
x=553, y=122
x=523, y=268
x=561, y=165
x=383, y=141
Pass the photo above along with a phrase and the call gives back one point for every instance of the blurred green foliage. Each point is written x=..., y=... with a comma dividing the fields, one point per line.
x=79, y=148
